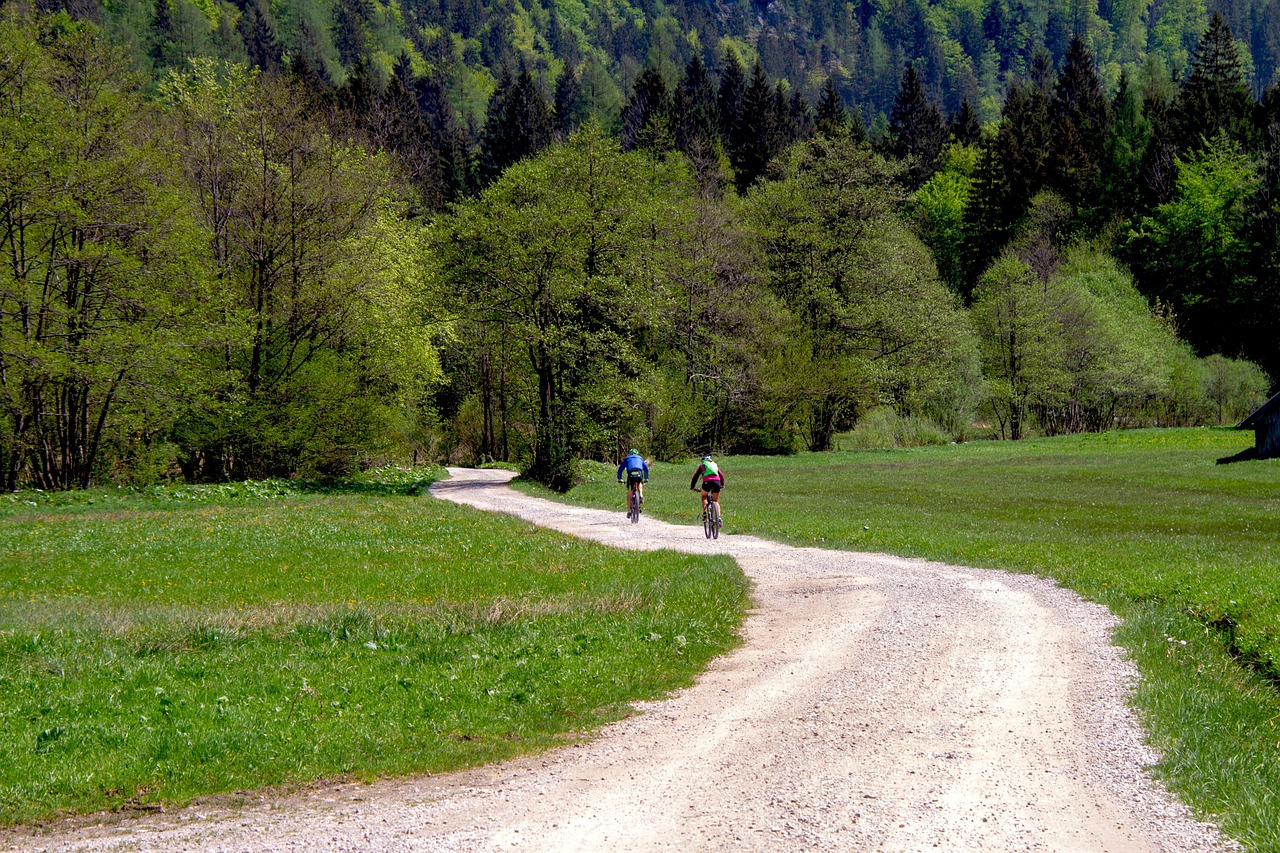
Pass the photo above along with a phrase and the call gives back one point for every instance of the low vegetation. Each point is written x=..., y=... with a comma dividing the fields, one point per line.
x=166, y=644
x=1183, y=549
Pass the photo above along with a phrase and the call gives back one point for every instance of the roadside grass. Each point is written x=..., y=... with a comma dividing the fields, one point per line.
x=1145, y=521
x=173, y=643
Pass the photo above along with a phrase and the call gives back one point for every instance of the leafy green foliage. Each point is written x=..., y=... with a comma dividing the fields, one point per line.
x=558, y=253
x=100, y=291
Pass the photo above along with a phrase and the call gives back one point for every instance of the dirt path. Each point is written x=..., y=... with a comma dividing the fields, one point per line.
x=878, y=703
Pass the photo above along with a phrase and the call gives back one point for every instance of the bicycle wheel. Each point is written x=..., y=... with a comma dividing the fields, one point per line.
x=715, y=519
x=633, y=507
x=706, y=520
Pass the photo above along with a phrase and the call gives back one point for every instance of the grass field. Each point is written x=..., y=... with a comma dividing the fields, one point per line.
x=176, y=643
x=1186, y=551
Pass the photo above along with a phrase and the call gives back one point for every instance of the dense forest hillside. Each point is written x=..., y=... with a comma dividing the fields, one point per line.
x=280, y=239
x=963, y=49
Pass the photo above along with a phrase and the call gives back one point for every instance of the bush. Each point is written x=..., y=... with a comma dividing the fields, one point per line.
x=883, y=429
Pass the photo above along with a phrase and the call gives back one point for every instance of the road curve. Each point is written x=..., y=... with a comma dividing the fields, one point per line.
x=877, y=703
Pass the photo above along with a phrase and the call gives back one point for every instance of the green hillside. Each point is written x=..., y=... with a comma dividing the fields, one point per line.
x=964, y=49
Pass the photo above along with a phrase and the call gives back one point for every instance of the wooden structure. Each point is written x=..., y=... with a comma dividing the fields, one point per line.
x=1265, y=424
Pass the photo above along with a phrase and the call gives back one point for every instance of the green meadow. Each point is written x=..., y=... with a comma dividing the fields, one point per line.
x=1186, y=551
x=175, y=643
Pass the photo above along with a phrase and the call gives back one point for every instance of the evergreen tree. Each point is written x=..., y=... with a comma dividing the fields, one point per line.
x=1214, y=97
x=1159, y=170
x=1079, y=119
x=309, y=78
x=1011, y=172
x=733, y=86
x=801, y=117
x=453, y=144
x=965, y=128
x=753, y=142
x=916, y=129
x=1126, y=144
x=349, y=19
x=258, y=29
x=518, y=124
x=832, y=118
x=1260, y=314
x=646, y=119
x=694, y=108
x=570, y=106
x=162, y=34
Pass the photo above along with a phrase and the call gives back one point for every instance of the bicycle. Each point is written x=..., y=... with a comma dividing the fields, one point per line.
x=711, y=519
x=633, y=503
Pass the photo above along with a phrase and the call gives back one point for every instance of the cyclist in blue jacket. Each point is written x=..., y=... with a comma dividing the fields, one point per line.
x=636, y=471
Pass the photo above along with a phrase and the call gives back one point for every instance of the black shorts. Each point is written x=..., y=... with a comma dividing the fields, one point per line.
x=712, y=486
x=634, y=477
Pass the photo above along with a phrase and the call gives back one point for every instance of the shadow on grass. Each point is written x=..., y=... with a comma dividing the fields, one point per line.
x=1246, y=455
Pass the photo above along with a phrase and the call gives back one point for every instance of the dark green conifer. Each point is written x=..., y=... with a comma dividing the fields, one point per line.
x=916, y=129
x=965, y=128
x=1214, y=97
x=518, y=123
x=832, y=118
x=1079, y=117
x=646, y=119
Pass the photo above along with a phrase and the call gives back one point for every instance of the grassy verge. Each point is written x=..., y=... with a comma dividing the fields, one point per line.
x=174, y=643
x=1185, y=550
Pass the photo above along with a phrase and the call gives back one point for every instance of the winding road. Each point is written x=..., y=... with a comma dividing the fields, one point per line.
x=877, y=703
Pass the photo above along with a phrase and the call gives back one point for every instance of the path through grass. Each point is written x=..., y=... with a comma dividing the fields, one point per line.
x=1186, y=551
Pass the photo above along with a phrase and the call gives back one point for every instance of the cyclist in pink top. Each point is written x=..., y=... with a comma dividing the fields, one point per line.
x=712, y=481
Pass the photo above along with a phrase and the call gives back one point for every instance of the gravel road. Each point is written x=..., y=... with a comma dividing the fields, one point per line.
x=878, y=703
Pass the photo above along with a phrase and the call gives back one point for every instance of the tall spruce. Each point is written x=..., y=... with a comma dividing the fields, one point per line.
x=453, y=143
x=965, y=127
x=1012, y=170
x=733, y=86
x=258, y=29
x=1079, y=117
x=832, y=119
x=916, y=129
x=570, y=105
x=694, y=108
x=754, y=140
x=1126, y=145
x=517, y=124
x=646, y=119
x=1214, y=97
x=800, y=116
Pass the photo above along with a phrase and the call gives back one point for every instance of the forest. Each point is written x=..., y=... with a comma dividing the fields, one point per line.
x=289, y=240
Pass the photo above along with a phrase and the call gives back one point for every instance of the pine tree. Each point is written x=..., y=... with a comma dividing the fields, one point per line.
x=832, y=118
x=162, y=35
x=965, y=128
x=801, y=117
x=570, y=106
x=694, y=108
x=733, y=86
x=1080, y=118
x=1126, y=144
x=258, y=29
x=916, y=129
x=1214, y=97
x=349, y=17
x=646, y=119
x=1011, y=172
x=753, y=142
x=518, y=124
x=453, y=144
